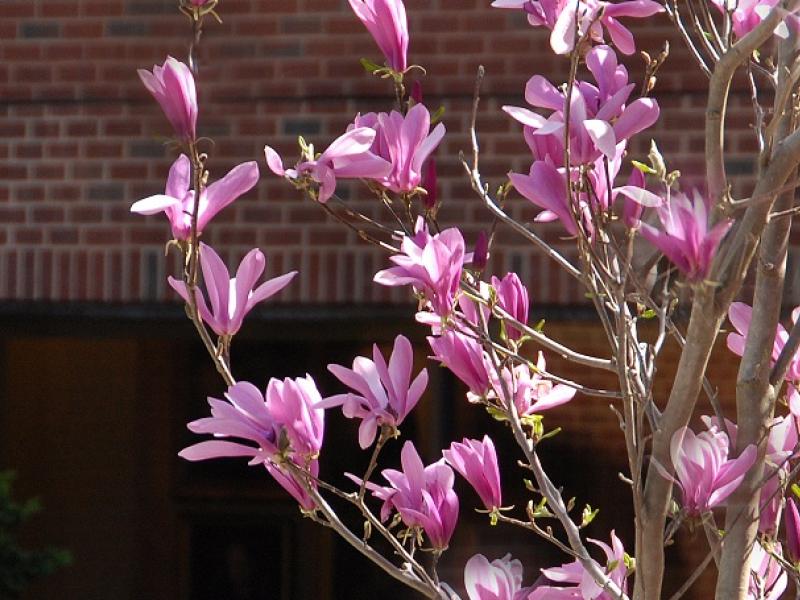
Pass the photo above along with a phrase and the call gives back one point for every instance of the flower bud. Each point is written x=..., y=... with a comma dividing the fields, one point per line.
x=792, y=521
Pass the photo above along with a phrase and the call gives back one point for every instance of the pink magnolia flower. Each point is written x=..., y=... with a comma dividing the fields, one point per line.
x=385, y=394
x=580, y=583
x=545, y=186
x=476, y=461
x=560, y=16
x=172, y=85
x=177, y=201
x=740, y=315
x=431, y=263
x=422, y=496
x=286, y=413
x=745, y=14
x=781, y=444
x=387, y=23
x=500, y=579
x=231, y=298
x=600, y=120
x=792, y=522
x=348, y=156
x=405, y=142
x=704, y=473
x=767, y=579
x=465, y=357
x=686, y=239
x=512, y=297
x=532, y=393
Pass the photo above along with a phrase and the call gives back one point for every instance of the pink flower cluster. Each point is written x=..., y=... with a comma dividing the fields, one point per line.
x=500, y=579
x=591, y=16
x=600, y=123
x=384, y=394
x=432, y=264
x=687, y=238
x=575, y=582
x=422, y=495
x=389, y=149
x=703, y=471
x=286, y=414
x=231, y=298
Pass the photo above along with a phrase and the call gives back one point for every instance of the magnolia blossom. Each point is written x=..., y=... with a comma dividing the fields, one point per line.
x=686, y=239
x=348, y=156
x=431, y=263
x=386, y=21
x=231, y=298
x=172, y=85
x=405, y=142
x=422, y=496
x=560, y=17
x=286, y=412
x=500, y=579
x=177, y=201
x=532, y=393
x=512, y=297
x=466, y=358
x=385, y=393
x=767, y=579
x=781, y=444
x=599, y=119
x=580, y=583
x=476, y=461
x=704, y=473
x=745, y=14
x=740, y=315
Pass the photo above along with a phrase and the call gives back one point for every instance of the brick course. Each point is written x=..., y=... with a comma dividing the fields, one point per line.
x=80, y=139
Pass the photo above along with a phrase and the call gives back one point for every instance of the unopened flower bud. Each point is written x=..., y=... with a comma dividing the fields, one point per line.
x=792, y=521
x=480, y=256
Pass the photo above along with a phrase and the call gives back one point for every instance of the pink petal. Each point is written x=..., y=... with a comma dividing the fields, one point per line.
x=274, y=161
x=216, y=449
x=239, y=180
x=154, y=204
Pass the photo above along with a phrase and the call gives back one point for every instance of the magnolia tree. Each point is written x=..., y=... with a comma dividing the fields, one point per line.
x=733, y=478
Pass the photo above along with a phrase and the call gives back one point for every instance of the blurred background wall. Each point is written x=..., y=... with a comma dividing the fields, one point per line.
x=100, y=371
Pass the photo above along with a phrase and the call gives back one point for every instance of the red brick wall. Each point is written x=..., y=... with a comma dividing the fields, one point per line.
x=80, y=138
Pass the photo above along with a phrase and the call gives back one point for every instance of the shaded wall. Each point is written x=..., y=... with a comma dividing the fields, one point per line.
x=94, y=414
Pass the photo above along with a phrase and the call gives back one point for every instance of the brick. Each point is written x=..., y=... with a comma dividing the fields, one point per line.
x=37, y=30
x=301, y=127
x=106, y=192
x=126, y=28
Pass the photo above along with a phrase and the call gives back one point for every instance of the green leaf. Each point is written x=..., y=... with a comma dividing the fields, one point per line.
x=496, y=413
x=437, y=115
x=643, y=167
x=796, y=490
x=588, y=515
x=550, y=434
x=630, y=562
x=369, y=66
